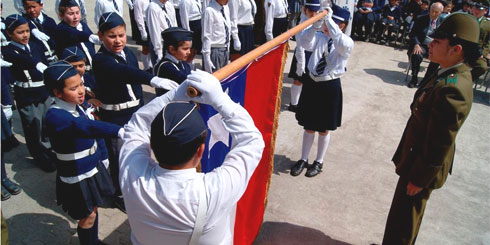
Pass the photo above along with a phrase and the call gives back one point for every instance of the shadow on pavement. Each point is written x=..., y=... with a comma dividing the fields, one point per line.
x=392, y=77
x=282, y=164
x=285, y=233
x=33, y=228
x=121, y=235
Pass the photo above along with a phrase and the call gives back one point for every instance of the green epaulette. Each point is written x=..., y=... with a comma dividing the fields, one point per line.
x=452, y=78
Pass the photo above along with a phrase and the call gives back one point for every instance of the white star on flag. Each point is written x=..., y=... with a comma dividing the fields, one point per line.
x=218, y=131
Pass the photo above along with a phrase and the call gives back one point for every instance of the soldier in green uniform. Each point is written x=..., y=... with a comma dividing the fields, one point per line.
x=425, y=154
x=479, y=10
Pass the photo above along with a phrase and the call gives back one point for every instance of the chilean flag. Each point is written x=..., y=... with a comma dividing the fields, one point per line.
x=257, y=87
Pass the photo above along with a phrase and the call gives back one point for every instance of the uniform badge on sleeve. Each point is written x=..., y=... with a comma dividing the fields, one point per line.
x=452, y=78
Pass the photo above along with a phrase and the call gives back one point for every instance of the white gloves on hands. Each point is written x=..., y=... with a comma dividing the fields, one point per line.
x=5, y=63
x=329, y=13
x=209, y=86
x=94, y=39
x=208, y=64
x=144, y=36
x=318, y=24
x=300, y=69
x=158, y=82
x=237, y=45
x=40, y=35
x=41, y=67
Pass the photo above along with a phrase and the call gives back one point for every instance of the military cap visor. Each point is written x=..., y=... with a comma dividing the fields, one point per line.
x=13, y=21
x=178, y=123
x=458, y=26
x=313, y=5
x=110, y=20
x=339, y=14
x=481, y=4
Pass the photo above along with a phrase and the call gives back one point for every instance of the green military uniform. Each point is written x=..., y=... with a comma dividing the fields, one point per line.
x=425, y=154
x=480, y=66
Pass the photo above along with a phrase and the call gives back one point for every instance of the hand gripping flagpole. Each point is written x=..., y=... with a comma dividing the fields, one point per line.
x=257, y=52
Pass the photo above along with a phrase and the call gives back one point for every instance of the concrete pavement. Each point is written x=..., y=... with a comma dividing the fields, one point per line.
x=346, y=204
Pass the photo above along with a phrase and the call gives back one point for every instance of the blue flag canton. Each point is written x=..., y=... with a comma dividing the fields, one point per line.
x=219, y=141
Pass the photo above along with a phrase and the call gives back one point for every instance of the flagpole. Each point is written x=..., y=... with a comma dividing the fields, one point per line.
x=257, y=52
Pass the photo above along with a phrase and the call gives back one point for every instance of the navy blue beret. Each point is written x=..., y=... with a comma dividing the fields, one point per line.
x=313, y=5
x=68, y=3
x=340, y=14
x=13, y=21
x=109, y=20
x=72, y=54
x=178, y=123
x=58, y=72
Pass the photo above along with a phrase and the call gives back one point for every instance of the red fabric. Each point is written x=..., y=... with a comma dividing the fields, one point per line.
x=261, y=91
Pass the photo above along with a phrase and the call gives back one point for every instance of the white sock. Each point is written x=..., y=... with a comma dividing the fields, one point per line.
x=295, y=93
x=307, y=143
x=323, y=141
x=145, y=59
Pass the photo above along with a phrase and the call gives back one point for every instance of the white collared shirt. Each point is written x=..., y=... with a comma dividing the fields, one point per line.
x=104, y=6
x=190, y=10
x=162, y=204
x=213, y=26
x=442, y=70
x=274, y=9
x=336, y=58
x=140, y=8
x=156, y=19
x=175, y=3
x=242, y=12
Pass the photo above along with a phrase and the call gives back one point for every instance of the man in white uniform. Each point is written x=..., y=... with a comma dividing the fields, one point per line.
x=160, y=15
x=169, y=201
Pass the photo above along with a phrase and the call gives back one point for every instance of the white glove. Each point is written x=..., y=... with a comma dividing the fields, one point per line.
x=237, y=45
x=268, y=37
x=40, y=35
x=144, y=36
x=120, y=133
x=158, y=82
x=5, y=63
x=41, y=67
x=318, y=25
x=208, y=64
x=329, y=13
x=300, y=69
x=94, y=39
x=209, y=87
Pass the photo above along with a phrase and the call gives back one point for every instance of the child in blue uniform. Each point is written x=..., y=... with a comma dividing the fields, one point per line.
x=119, y=81
x=320, y=103
x=72, y=32
x=177, y=46
x=28, y=63
x=42, y=27
x=76, y=58
x=82, y=183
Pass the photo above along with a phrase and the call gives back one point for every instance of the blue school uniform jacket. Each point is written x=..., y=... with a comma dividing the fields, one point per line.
x=48, y=27
x=67, y=36
x=175, y=71
x=396, y=13
x=22, y=62
x=70, y=130
x=113, y=75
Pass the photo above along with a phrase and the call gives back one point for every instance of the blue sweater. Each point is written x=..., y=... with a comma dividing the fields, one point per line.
x=67, y=36
x=69, y=134
x=48, y=27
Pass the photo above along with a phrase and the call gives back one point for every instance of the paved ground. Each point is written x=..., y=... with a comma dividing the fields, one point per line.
x=346, y=204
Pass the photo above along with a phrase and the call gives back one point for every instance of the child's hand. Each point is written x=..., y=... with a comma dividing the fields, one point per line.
x=94, y=102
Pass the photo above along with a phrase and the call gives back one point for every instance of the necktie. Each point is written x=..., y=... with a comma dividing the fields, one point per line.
x=115, y=5
x=37, y=23
x=166, y=16
x=322, y=63
x=27, y=49
x=227, y=32
x=286, y=6
x=434, y=24
x=253, y=9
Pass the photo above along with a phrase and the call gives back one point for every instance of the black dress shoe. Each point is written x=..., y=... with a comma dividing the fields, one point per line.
x=11, y=187
x=292, y=108
x=314, y=169
x=298, y=167
x=5, y=194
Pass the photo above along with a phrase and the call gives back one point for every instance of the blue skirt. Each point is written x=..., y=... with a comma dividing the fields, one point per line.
x=320, y=105
x=79, y=199
x=280, y=26
x=247, y=39
x=294, y=63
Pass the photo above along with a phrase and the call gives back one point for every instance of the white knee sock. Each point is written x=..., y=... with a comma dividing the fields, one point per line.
x=307, y=143
x=323, y=141
x=145, y=59
x=295, y=93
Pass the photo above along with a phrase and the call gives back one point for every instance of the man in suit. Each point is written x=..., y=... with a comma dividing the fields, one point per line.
x=424, y=157
x=419, y=39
